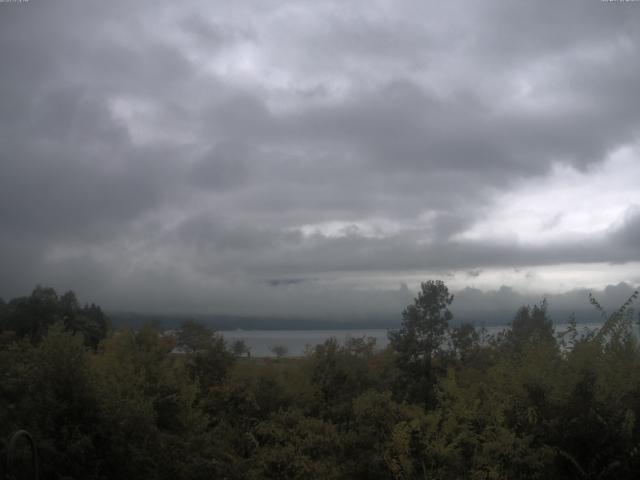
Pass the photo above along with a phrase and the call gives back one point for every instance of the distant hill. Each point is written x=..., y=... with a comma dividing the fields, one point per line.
x=235, y=322
x=231, y=322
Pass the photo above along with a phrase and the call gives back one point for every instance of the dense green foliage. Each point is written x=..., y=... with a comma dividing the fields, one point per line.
x=30, y=317
x=440, y=402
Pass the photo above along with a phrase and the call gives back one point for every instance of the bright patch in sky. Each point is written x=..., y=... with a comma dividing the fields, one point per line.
x=375, y=228
x=568, y=204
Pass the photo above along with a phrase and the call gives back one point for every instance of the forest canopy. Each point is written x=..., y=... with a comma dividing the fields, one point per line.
x=440, y=401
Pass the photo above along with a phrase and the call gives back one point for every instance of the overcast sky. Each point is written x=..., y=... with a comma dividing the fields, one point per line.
x=317, y=158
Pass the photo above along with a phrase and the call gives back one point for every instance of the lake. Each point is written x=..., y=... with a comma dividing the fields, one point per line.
x=261, y=341
x=296, y=341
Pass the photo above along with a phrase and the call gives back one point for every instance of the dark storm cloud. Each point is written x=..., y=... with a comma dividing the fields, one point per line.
x=224, y=166
x=626, y=239
x=212, y=34
x=155, y=147
x=356, y=252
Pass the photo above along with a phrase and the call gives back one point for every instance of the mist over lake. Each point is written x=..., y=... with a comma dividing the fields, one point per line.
x=299, y=342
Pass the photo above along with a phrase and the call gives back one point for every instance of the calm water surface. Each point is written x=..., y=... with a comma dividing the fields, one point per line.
x=296, y=341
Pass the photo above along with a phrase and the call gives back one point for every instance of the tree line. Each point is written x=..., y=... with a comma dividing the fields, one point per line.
x=440, y=401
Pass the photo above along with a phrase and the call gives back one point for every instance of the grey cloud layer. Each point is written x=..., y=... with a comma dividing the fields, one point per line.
x=148, y=149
